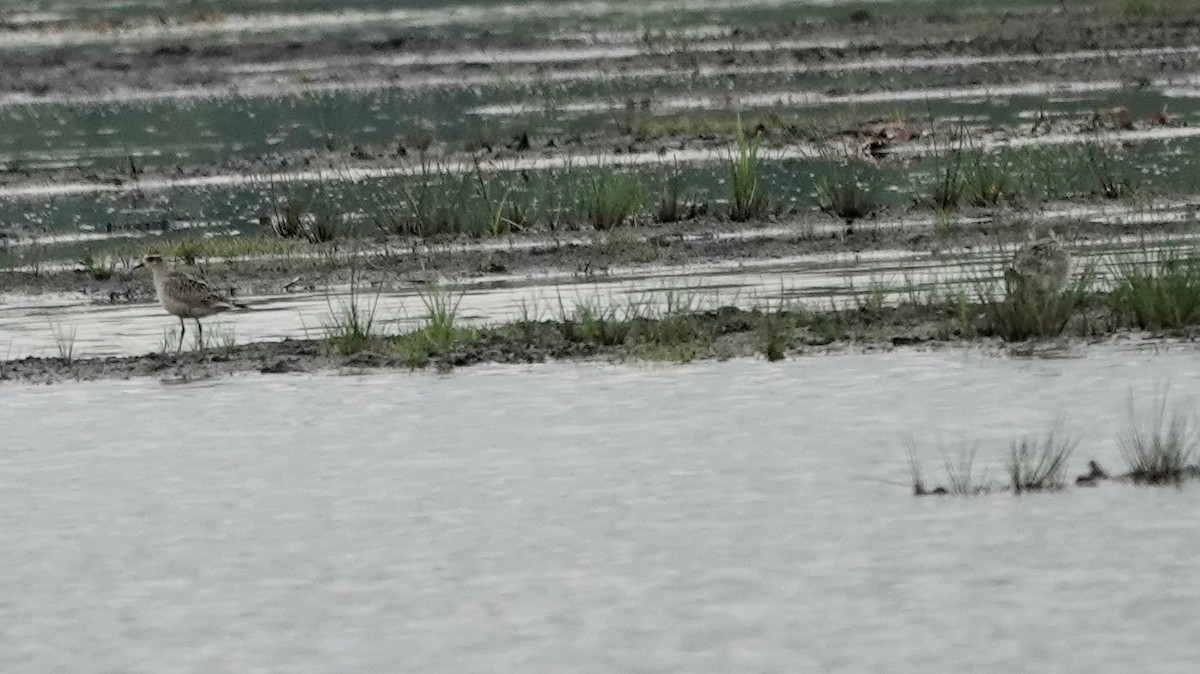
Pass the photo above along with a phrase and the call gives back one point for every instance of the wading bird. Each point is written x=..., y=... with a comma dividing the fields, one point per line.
x=1041, y=264
x=185, y=296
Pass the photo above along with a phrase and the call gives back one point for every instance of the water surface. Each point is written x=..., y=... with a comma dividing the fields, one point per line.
x=737, y=516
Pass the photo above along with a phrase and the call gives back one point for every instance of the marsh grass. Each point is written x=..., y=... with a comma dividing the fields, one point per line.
x=1039, y=464
x=747, y=200
x=613, y=198
x=350, y=327
x=441, y=306
x=1150, y=9
x=1031, y=310
x=988, y=180
x=946, y=186
x=847, y=192
x=595, y=322
x=310, y=215
x=625, y=245
x=1107, y=178
x=439, y=333
x=774, y=333
x=961, y=478
x=100, y=268
x=916, y=473
x=960, y=474
x=189, y=250
x=1160, y=449
x=672, y=204
x=169, y=341
x=435, y=203
x=1158, y=295
x=64, y=342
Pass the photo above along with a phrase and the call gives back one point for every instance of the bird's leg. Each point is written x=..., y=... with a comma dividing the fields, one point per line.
x=200, y=331
x=182, y=329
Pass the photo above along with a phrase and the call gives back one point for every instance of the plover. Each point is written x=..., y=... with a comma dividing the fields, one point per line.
x=186, y=296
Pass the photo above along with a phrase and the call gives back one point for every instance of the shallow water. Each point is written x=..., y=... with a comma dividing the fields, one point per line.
x=737, y=516
x=33, y=326
x=44, y=325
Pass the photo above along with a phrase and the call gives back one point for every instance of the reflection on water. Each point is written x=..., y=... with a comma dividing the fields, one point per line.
x=722, y=517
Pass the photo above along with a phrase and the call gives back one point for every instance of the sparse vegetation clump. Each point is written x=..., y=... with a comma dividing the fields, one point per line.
x=436, y=203
x=1040, y=464
x=989, y=181
x=1161, y=449
x=613, y=199
x=311, y=217
x=350, y=327
x=1108, y=179
x=1161, y=294
x=1149, y=9
x=1030, y=311
x=961, y=478
x=944, y=190
x=672, y=204
x=960, y=474
x=774, y=337
x=747, y=200
x=440, y=332
x=846, y=193
x=99, y=268
x=64, y=342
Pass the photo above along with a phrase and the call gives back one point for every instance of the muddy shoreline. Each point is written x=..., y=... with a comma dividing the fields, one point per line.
x=723, y=333
x=314, y=357
x=172, y=61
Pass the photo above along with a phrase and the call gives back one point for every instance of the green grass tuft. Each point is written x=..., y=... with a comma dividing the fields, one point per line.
x=613, y=198
x=350, y=327
x=747, y=201
x=1160, y=295
x=440, y=333
x=99, y=268
x=845, y=195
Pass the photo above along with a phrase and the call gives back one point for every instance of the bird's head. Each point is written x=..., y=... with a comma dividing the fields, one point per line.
x=152, y=261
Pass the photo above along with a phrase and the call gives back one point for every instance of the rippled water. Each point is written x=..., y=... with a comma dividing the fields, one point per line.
x=722, y=517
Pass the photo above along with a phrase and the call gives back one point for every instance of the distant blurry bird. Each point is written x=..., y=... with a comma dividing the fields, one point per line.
x=185, y=296
x=1041, y=263
x=1095, y=474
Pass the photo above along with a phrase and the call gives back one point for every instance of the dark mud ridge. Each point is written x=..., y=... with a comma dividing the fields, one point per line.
x=718, y=334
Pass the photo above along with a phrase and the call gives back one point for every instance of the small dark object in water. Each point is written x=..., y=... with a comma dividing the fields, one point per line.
x=520, y=143
x=919, y=490
x=1095, y=474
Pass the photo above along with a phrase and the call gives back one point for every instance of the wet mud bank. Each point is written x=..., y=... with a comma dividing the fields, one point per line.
x=727, y=332
x=169, y=59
